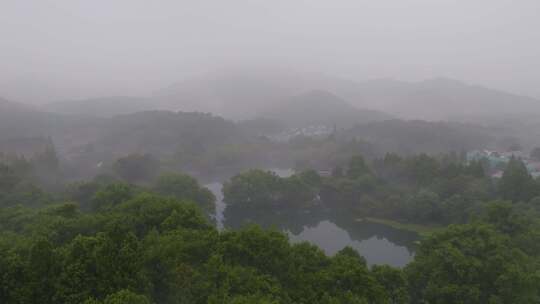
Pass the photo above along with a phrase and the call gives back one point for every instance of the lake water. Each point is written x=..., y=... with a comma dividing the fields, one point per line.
x=377, y=243
x=376, y=249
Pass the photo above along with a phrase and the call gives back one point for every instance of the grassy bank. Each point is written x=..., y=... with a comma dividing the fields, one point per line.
x=422, y=230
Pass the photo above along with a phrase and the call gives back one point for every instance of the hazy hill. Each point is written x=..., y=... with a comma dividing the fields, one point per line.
x=319, y=107
x=163, y=132
x=21, y=122
x=440, y=98
x=236, y=94
x=233, y=94
x=279, y=95
x=249, y=93
x=416, y=136
x=244, y=94
x=102, y=107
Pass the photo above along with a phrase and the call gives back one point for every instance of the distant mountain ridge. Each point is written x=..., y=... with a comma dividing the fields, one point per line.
x=440, y=99
x=318, y=107
x=102, y=107
x=232, y=94
x=22, y=122
x=246, y=94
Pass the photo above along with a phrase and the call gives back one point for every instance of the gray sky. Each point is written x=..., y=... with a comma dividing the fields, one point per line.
x=81, y=48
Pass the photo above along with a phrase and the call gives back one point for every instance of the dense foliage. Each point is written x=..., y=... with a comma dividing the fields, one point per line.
x=258, y=188
x=154, y=249
x=19, y=178
x=492, y=261
x=136, y=167
x=420, y=188
x=108, y=241
x=148, y=248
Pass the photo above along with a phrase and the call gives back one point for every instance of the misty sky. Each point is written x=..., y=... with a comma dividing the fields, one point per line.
x=87, y=48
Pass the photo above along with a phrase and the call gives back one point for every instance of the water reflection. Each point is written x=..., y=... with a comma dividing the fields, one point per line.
x=378, y=243
x=376, y=249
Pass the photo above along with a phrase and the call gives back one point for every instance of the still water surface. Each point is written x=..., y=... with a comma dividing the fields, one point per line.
x=376, y=249
x=377, y=243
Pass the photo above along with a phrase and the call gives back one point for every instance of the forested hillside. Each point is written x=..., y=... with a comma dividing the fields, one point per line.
x=200, y=142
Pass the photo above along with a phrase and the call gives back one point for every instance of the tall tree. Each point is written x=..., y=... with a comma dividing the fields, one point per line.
x=358, y=167
x=185, y=187
x=136, y=167
x=516, y=184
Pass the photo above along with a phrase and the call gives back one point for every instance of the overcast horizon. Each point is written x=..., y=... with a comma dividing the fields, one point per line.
x=56, y=50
